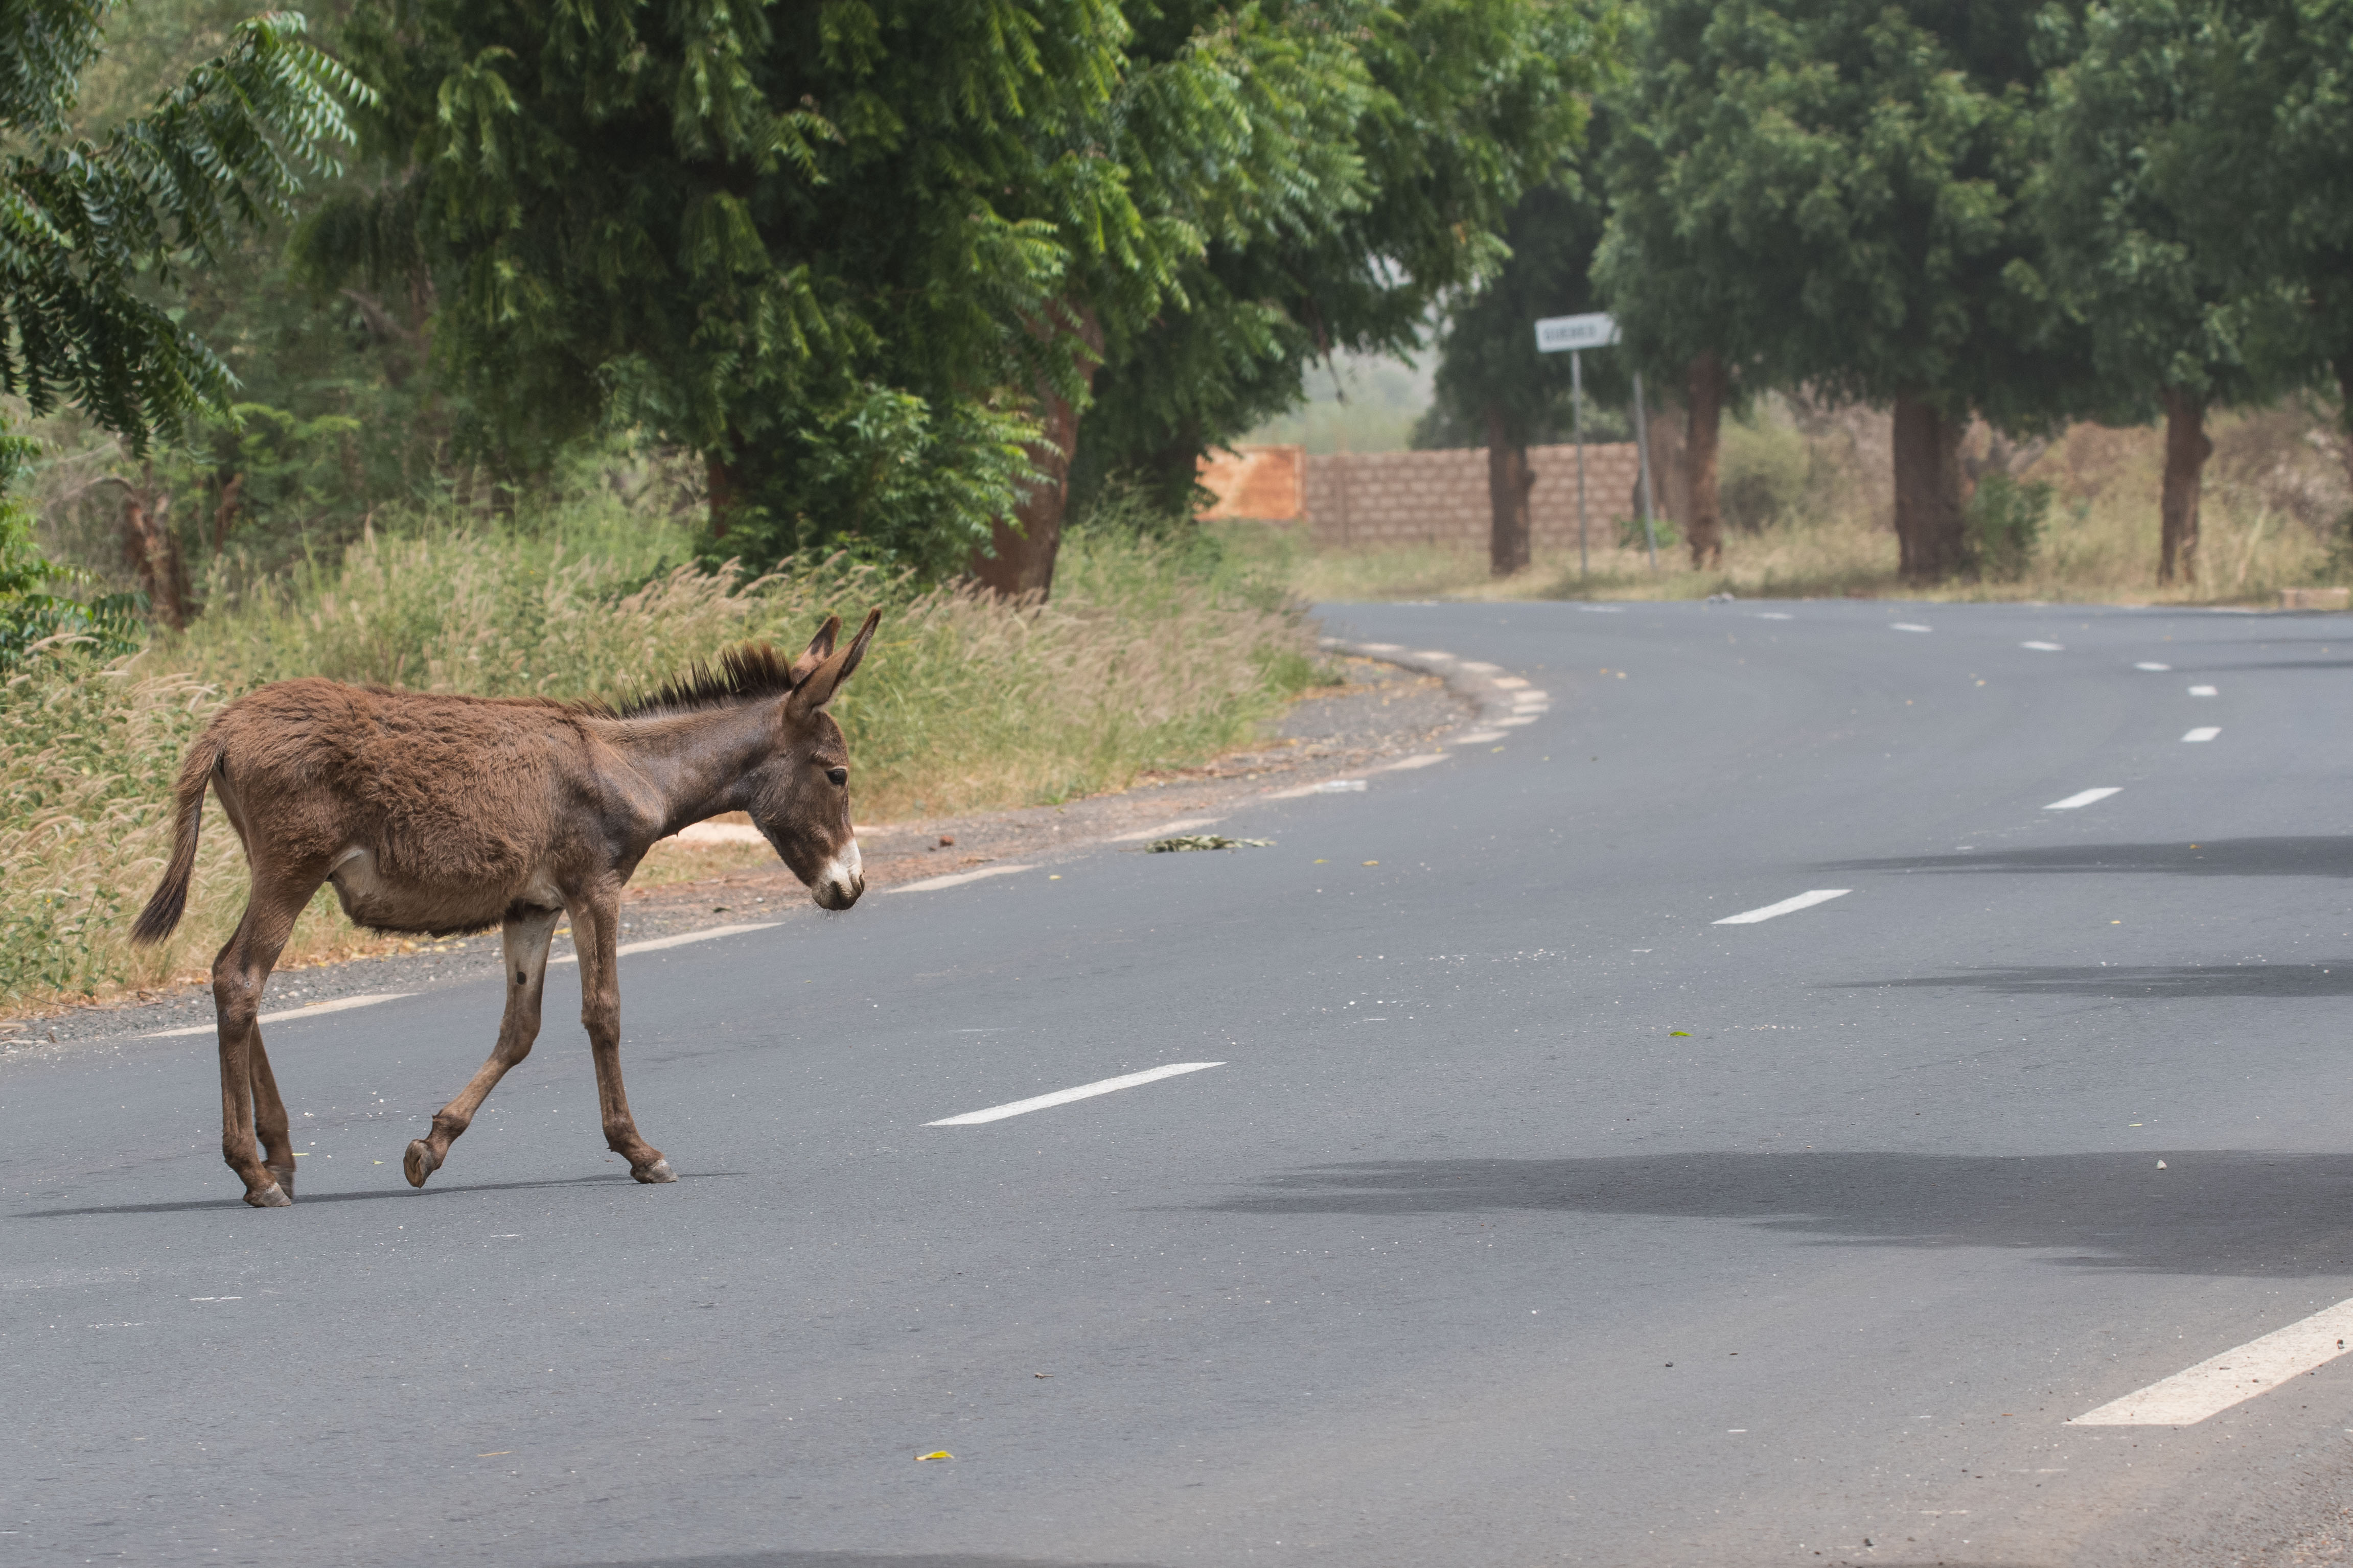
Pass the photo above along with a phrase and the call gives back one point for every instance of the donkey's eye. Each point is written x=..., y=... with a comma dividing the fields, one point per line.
x=838, y=775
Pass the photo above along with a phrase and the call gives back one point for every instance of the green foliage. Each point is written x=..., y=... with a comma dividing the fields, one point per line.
x=1765, y=475
x=29, y=612
x=83, y=222
x=2005, y=524
x=1826, y=192
x=1382, y=151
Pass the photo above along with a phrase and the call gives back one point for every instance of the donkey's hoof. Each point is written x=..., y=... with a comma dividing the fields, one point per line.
x=418, y=1162
x=285, y=1174
x=272, y=1196
x=655, y=1173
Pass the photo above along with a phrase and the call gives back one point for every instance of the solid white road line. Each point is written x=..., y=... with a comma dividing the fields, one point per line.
x=2214, y=1385
x=1907, y=627
x=1774, y=615
x=1064, y=1096
x=655, y=943
x=2045, y=647
x=1407, y=765
x=2145, y=664
x=2084, y=799
x=1787, y=906
x=2203, y=692
x=1182, y=824
x=1477, y=738
x=2204, y=732
x=956, y=879
x=313, y=1010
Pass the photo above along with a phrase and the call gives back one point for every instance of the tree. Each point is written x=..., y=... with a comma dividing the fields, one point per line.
x=2140, y=219
x=1825, y=194
x=1386, y=160
x=89, y=229
x=1490, y=376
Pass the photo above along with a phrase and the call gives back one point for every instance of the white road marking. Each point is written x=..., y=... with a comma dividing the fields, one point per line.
x=315, y=1010
x=1478, y=737
x=1478, y=667
x=1806, y=900
x=1433, y=653
x=2045, y=647
x=1907, y=627
x=1182, y=824
x=1774, y=615
x=1515, y=721
x=2203, y=732
x=1530, y=697
x=1407, y=765
x=2203, y=692
x=655, y=943
x=956, y=879
x=1064, y=1096
x=1381, y=648
x=2215, y=1384
x=2084, y=799
x=1508, y=682
x=2146, y=664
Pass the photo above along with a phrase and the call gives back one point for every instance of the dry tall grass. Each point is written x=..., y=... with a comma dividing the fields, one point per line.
x=2275, y=507
x=1145, y=659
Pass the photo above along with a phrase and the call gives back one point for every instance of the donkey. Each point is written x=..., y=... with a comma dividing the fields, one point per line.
x=446, y=816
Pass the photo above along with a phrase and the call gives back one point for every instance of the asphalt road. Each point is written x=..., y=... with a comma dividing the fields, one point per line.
x=1532, y=1217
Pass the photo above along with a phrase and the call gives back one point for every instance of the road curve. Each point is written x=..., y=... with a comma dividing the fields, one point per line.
x=1751, y=1110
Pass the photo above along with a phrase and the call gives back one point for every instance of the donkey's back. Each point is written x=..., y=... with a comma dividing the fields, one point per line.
x=427, y=812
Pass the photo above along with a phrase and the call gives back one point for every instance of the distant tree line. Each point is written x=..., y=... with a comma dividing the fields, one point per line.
x=2006, y=210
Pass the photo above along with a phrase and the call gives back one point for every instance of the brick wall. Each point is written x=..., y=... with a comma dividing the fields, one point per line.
x=1417, y=498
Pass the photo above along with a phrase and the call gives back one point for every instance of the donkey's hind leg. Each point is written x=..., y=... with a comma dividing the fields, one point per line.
x=525, y=936
x=239, y=972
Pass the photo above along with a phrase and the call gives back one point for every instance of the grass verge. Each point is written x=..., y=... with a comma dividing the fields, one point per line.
x=1151, y=655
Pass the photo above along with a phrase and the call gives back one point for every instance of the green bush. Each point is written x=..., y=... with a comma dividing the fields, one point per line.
x=1763, y=473
x=2004, y=524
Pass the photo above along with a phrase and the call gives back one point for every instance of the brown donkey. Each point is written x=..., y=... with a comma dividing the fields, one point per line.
x=451, y=814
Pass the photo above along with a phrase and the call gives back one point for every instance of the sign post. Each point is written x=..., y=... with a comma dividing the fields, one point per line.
x=1573, y=335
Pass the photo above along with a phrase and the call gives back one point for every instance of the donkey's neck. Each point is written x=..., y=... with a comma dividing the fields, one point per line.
x=688, y=767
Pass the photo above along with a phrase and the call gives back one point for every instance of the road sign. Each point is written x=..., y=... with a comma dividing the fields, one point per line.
x=1557, y=335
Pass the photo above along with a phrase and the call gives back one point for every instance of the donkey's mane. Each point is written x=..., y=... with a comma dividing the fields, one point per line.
x=745, y=674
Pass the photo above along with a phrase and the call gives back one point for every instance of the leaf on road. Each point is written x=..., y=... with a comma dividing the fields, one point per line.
x=935, y=1454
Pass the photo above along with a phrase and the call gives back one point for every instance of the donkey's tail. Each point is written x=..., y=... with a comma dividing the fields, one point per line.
x=162, y=911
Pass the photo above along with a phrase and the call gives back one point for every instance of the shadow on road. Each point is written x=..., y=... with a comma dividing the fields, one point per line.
x=304, y=1200
x=2211, y=1212
x=2310, y=856
x=2127, y=982
x=850, y=1560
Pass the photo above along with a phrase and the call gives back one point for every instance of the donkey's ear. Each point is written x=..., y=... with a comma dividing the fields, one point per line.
x=820, y=649
x=826, y=679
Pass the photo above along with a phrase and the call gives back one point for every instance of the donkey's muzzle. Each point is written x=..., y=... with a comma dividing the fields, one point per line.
x=842, y=880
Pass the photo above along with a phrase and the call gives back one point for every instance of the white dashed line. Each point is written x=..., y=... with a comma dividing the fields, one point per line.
x=2085, y=798
x=685, y=938
x=2203, y=732
x=2214, y=1385
x=956, y=879
x=2203, y=692
x=1907, y=627
x=1806, y=900
x=2045, y=647
x=1064, y=1096
x=316, y=1008
x=2145, y=664
x=1774, y=615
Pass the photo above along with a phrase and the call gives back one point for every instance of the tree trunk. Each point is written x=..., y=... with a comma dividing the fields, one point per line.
x=1704, y=529
x=150, y=551
x=2187, y=448
x=1929, y=534
x=1670, y=471
x=1509, y=482
x=722, y=492
x=1020, y=558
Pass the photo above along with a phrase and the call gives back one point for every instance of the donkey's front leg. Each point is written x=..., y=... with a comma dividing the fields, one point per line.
x=525, y=936
x=595, y=929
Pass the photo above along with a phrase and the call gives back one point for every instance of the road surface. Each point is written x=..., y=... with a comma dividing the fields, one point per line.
x=1533, y=1212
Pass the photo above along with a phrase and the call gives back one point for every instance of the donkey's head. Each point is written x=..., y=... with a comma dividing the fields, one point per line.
x=800, y=793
